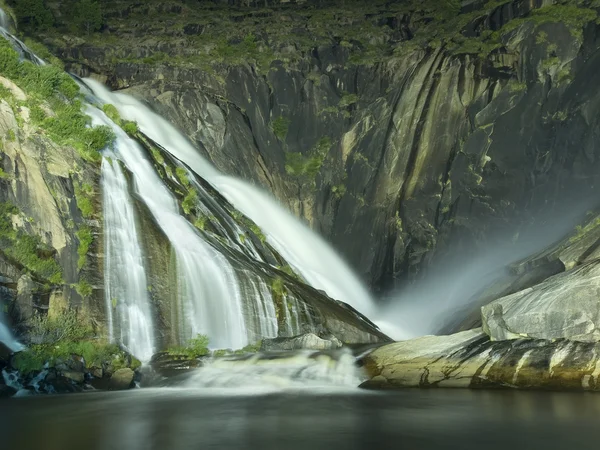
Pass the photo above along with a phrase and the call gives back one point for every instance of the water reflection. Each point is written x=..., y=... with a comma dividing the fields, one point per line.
x=172, y=419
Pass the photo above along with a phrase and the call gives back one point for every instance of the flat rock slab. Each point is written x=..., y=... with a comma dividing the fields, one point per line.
x=566, y=305
x=470, y=360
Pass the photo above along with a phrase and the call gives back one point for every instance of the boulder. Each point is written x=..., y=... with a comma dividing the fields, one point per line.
x=77, y=377
x=470, y=360
x=563, y=306
x=122, y=379
x=305, y=341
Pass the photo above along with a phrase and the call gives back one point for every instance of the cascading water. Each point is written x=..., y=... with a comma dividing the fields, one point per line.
x=304, y=250
x=210, y=300
x=298, y=369
x=7, y=338
x=125, y=285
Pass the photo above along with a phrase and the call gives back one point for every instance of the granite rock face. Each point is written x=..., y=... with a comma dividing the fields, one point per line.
x=424, y=153
x=470, y=360
x=566, y=305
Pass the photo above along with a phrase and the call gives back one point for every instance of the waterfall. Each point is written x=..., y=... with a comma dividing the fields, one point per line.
x=125, y=285
x=7, y=338
x=287, y=370
x=303, y=249
x=209, y=295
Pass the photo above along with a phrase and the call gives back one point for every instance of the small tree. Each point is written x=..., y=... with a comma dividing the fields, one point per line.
x=33, y=14
x=87, y=16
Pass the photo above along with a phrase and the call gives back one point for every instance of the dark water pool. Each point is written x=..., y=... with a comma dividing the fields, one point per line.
x=173, y=419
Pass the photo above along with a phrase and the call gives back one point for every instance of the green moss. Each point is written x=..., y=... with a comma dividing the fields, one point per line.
x=195, y=348
x=182, y=176
x=308, y=166
x=27, y=250
x=514, y=86
x=158, y=157
x=347, y=100
x=69, y=125
x=84, y=196
x=190, y=201
x=84, y=234
x=250, y=348
x=338, y=190
x=84, y=288
x=280, y=127
x=278, y=293
x=112, y=113
x=200, y=222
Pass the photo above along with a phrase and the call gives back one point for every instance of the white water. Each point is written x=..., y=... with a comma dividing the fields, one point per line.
x=7, y=338
x=303, y=249
x=125, y=284
x=4, y=21
x=208, y=291
x=300, y=369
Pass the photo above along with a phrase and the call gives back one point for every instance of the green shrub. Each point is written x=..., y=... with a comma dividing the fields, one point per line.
x=280, y=127
x=27, y=250
x=84, y=196
x=33, y=14
x=130, y=127
x=190, y=201
x=69, y=126
x=348, y=99
x=84, y=288
x=182, y=176
x=195, y=348
x=84, y=234
x=299, y=165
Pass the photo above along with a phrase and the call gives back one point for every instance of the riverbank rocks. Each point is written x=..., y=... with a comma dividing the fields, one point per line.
x=471, y=360
x=122, y=379
x=308, y=341
x=564, y=306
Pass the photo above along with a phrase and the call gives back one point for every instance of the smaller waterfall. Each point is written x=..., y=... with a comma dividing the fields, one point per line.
x=7, y=338
x=4, y=20
x=126, y=287
x=288, y=370
x=210, y=301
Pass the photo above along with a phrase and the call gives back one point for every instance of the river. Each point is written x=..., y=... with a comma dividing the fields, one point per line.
x=272, y=419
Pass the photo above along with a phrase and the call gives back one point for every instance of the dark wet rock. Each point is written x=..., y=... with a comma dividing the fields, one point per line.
x=470, y=360
x=168, y=365
x=6, y=391
x=306, y=341
x=77, y=377
x=122, y=379
x=5, y=354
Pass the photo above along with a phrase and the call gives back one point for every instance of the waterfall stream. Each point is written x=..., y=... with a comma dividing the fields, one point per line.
x=125, y=285
x=303, y=249
x=210, y=299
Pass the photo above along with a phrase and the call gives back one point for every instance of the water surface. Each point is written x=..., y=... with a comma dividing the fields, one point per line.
x=271, y=419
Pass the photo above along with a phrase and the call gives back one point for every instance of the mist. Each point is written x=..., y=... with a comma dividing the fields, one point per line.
x=455, y=286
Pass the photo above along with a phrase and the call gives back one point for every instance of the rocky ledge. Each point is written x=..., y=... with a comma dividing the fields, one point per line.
x=115, y=370
x=471, y=360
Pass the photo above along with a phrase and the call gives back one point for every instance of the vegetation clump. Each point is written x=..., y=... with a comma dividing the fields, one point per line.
x=56, y=338
x=49, y=85
x=195, y=348
x=280, y=127
x=299, y=165
x=27, y=250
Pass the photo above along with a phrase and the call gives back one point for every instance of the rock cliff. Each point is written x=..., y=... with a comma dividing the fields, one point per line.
x=400, y=131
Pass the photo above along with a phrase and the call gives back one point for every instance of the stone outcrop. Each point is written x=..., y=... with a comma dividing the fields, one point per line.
x=470, y=360
x=306, y=341
x=563, y=306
